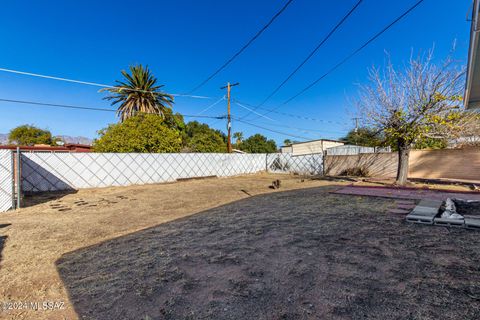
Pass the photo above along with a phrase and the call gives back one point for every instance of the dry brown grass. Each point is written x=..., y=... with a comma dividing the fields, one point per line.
x=37, y=236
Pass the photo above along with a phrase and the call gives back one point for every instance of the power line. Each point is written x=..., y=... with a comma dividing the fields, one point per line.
x=350, y=55
x=243, y=48
x=251, y=110
x=306, y=130
x=212, y=105
x=101, y=85
x=90, y=108
x=313, y=131
x=275, y=131
x=295, y=115
x=312, y=52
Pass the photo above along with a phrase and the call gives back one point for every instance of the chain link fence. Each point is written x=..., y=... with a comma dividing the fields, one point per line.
x=6, y=180
x=69, y=171
x=311, y=164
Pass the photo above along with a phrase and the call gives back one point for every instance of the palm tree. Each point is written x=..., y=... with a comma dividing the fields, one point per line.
x=238, y=137
x=138, y=93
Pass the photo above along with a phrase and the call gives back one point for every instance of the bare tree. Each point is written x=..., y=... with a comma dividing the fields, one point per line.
x=421, y=100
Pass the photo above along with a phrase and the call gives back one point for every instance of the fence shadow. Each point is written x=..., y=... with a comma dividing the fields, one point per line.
x=37, y=178
x=32, y=199
x=39, y=185
x=2, y=239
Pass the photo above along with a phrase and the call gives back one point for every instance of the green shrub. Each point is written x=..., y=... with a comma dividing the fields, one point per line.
x=141, y=133
x=28, y=135
x=355, y=172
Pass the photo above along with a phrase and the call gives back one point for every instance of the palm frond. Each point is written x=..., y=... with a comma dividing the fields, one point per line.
x=138, y=93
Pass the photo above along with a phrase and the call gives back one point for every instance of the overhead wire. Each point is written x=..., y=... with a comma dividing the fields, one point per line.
x=378, y=34
x=273, y=130
x=225, y=64
x=211, y=106
x=311, y=131
x=36, y=103
x=101, y=85
x=312, y=53
x=295, y=115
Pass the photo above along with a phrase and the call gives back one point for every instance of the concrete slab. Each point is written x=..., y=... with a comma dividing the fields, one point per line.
x=407, y=193
x=420, y=219
x=425, y=211
x=449, y=222
x=428, y=203
x=472, y=223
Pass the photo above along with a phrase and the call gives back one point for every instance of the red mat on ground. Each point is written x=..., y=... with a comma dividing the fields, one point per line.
x=407, y=193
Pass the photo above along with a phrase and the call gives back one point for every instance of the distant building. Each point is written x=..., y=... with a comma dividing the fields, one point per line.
x=310, y=147
x=68, y=147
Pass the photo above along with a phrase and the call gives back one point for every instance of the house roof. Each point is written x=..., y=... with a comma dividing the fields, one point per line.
x=317, y=140
x=472, y=85
x=68, y=147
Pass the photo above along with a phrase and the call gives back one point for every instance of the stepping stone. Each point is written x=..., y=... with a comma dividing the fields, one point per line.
x=420, y=219
x=425, y=212
x=472, y=223
x=445, y=222
x=430, y=203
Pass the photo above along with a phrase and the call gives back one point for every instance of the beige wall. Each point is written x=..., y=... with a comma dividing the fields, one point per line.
x=455, y=164
x=377, y=164
x=459, y=164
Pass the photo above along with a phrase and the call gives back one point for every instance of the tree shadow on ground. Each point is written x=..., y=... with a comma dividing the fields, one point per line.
x=3, y=239
x=303, y=254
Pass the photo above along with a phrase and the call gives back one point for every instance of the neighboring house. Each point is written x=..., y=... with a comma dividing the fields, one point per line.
x=350, y=149
x=310, y=147
x=68, y=147
x=472, y=141
x=472, y=86
x=238, y=151
x=286, y=149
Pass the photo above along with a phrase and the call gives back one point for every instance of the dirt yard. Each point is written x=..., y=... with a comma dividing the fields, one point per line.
x=232, y=249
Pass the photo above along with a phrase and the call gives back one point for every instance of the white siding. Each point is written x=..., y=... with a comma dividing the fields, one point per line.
x=286, y=149
x=312, y=147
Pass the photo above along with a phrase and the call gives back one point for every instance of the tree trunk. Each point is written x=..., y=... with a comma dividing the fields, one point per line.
x=403, y=155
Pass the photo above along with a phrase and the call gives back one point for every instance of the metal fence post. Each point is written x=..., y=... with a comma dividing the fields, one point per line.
x=324, y=158
x=266, y=162
x=19, y=178
x=12, y=177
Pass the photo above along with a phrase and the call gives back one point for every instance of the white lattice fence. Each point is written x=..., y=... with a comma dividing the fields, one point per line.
x=311, y=164
x=6, y=180
x=68, y=171
x=64, y=171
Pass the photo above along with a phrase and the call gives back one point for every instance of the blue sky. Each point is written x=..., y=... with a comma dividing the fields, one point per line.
x=184, y=41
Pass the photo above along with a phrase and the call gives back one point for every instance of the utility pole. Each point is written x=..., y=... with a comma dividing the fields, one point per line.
x=356, y=124
x=356, y=129
x=229, y=118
